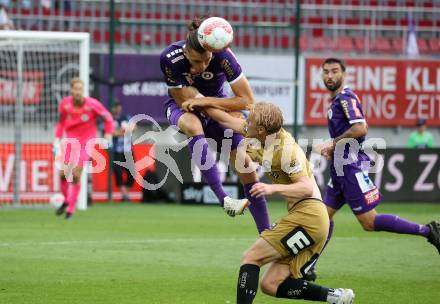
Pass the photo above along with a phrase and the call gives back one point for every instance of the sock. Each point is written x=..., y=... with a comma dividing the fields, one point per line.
x=247, y=283
x=64, y=186
x=258, y=209
x=301, y=289
x=393, y=223
x=72, y=195
x=211, y=175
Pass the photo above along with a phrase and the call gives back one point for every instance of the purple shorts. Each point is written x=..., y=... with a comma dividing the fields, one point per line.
x=211, y=128
x=354, y=188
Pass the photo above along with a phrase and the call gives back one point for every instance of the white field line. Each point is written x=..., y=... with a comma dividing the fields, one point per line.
x=248, y=240
x=116, y=242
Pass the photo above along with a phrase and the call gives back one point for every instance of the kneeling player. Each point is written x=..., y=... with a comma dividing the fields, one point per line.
x=294, y=243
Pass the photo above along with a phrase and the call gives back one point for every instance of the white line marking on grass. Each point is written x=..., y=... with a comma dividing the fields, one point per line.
x=106, y=242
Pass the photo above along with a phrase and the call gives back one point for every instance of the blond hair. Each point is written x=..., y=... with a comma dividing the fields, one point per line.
x=75, y=81
x=268, y=116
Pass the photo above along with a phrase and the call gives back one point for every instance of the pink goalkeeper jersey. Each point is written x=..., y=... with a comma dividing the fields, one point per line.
x=80, y=122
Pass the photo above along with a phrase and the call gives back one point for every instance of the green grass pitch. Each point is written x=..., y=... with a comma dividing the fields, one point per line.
x=126, y=253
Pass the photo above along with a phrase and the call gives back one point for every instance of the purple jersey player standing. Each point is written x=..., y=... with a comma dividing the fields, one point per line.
x=352, y=185
x=195, y=78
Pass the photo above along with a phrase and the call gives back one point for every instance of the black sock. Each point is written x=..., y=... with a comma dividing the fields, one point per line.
x=301, y=289
x=247, y=283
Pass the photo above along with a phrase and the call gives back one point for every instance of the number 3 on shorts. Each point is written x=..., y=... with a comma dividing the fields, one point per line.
x=297, y=240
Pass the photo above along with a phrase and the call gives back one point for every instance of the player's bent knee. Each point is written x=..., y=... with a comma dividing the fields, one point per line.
x=367, y=225
x=190, y=125
x=269, y=286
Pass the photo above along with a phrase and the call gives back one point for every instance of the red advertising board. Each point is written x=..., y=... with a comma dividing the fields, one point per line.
x=33, y=83
x=143, y=155
x=392, y=92
x=40, y=177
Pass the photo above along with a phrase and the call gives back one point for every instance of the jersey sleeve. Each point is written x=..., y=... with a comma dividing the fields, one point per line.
x=352, y=109
x=173, y=79
x=295, y=163
x=230, y=66
x=61, y=124
x=101, y=111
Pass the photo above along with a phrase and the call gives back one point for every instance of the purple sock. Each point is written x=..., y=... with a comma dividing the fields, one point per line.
x=393, y=223
x=211, y=175
x=258, y=208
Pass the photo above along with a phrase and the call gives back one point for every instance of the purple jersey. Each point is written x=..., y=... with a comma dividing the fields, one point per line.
x=223, y=67
x=344, y=111
x=354, y=186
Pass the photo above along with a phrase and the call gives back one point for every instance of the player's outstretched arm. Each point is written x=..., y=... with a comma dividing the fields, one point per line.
x=242, y=100
x=302, y=188
x=225, y=119
x=357, y=130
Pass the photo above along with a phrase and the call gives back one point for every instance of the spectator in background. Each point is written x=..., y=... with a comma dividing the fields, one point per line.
x=121, y=124
x=5, y=22
x=421, y=138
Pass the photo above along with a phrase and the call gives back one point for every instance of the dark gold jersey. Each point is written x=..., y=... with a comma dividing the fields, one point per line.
x=281, y=158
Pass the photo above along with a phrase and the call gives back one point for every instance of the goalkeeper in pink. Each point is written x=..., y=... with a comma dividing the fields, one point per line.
x=77, y=122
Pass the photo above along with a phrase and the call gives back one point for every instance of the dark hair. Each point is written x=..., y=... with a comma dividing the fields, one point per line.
x=192, y=40
x=335, y=60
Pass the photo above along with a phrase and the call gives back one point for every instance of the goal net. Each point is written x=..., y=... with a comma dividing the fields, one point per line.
x=35, y=71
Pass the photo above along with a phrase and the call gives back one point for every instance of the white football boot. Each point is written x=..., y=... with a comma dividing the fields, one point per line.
x=340, y=296
x=234, y=206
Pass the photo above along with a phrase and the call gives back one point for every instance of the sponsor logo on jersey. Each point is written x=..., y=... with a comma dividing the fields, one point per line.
x=295, y=167
x=84, y=117
x=227, y=67
x=207, y=75
x=177, y=59
x=344, y=105
x=274, y=175
x=372, y=196
x=173, y=53
x=330, y=113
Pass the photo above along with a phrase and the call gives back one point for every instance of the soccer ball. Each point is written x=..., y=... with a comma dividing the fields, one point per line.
x=215, y=34
x=56, y=200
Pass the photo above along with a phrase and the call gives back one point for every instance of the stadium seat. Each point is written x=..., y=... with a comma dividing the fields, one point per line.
x=397, y=44
x=434, y=45
x=359, y=44
x=423, y=46
x=344, y=44
x=382, y=44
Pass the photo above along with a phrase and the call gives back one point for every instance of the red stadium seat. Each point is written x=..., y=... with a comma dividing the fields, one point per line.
x=97, y=36
x=285, y=42
x=303, y=42
x=359, y=44
x=382, y=44
x=426, y=22
x=423, y=46
x=397, y=44
x=318, y=44
x=265, y=41
x=344, y=44
x=434, y=45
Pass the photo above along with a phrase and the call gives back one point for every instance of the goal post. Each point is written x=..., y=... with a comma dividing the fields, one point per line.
x=35, y=72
